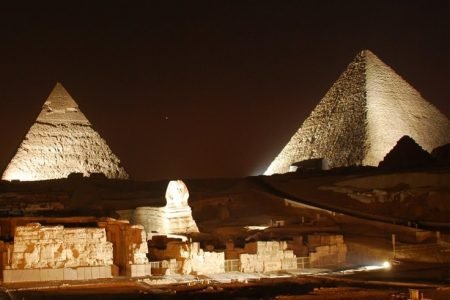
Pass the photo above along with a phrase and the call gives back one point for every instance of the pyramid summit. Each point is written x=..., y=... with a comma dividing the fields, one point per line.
x=61, y=108
x=361, y=118
x=62, y=141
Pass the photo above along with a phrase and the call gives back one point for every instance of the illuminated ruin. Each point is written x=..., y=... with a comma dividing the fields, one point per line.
x=361, y=118
x=42, y=253
x=62, y=141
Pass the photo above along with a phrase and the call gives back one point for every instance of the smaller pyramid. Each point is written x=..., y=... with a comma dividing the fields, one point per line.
x=406, y=154
x=442, y=154
x=60, y=142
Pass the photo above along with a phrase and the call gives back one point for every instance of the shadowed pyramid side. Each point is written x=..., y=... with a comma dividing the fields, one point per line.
x=60, y=142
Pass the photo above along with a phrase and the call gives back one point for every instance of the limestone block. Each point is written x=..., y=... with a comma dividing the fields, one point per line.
x=80, y=273
x=109, y=271
x=271, y=266
x=95, y=272
x=139, y=270
x=289, y=263
x=70, y=274
x=10, y=275
x=102, y=271
x=87, y=273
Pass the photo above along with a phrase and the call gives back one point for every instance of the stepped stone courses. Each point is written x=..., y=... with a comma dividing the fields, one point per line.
x=360, y=119
x=327, y=250
x=60, y=142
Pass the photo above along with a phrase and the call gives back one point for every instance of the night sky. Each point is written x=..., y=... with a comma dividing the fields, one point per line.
x=196, y=89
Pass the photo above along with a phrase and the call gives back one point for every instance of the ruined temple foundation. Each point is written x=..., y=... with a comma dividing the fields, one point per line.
x=267, y=256
x=43, y=253
x=130, y=247
x=188, y=258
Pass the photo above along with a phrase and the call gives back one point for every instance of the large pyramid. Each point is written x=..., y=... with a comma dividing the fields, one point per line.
x=60, y=142
x=361, y=118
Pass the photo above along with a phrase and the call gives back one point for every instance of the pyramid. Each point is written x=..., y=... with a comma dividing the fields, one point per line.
x=406, y=154
x=361, y=118
x=62, y=141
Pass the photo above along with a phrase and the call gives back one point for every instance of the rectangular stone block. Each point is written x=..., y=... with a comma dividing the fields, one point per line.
x=80, y=273
x=26, y=275
x=110, y=271
x=101, y=272
x=70, y=274
x=87, y=273
x=95, y=272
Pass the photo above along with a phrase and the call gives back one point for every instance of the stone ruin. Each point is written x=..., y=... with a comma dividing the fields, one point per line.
x=267, y=256
x=42, y=253
x=361, y=117
x=188, y=258
x=60, y=142
x=174, y=218
x=130, y=247
x=317, y=251
x=326, y=250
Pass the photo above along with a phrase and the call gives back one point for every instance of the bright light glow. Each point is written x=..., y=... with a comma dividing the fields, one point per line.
x=385, y=265
x=249, y=228
x=17, y=175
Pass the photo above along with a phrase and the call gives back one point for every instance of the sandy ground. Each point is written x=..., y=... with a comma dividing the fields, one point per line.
x=227, y=286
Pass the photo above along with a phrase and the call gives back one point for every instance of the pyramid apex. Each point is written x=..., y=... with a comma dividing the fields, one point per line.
x=366, y=54
x=60, y=107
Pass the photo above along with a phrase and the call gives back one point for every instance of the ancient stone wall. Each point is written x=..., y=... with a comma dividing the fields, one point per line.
x=267, y=256
x=192, y=259
x=130, y=247
x=326, y=250
x=36, y=246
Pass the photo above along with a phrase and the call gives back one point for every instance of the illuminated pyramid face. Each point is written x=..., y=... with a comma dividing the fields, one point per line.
x=60, y=142
x=361, y=118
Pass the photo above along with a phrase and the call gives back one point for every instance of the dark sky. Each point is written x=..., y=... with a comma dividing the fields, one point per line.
x=235, y=79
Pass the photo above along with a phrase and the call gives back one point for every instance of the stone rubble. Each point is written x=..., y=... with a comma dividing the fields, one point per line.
x=130, y=247
x=188, y=258
x=270, y=256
